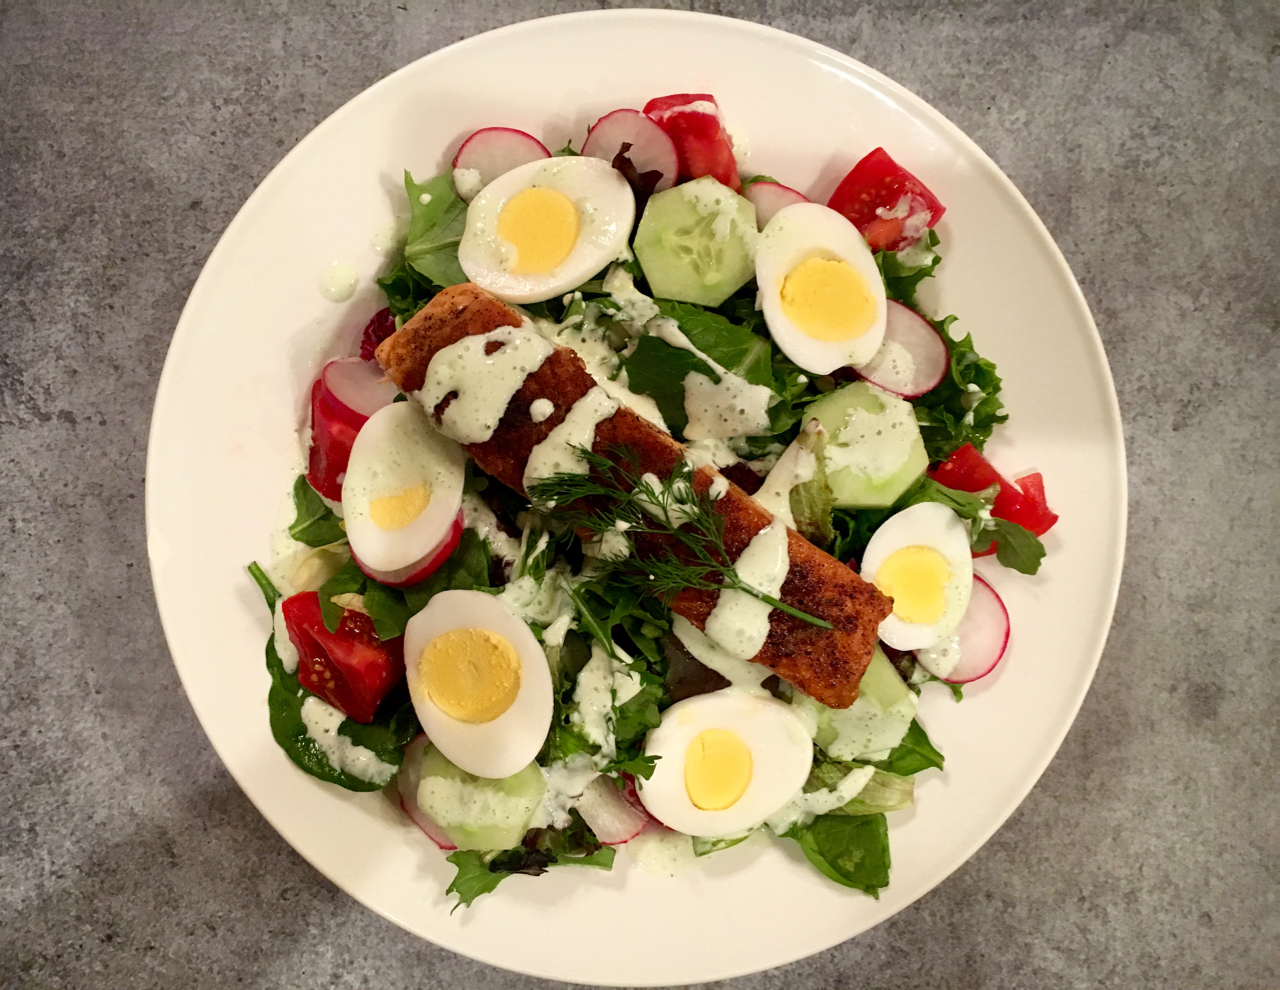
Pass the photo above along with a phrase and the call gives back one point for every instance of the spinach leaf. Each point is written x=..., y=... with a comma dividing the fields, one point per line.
x=394, y=725
x=435, y=229
x=314, y=524
x=467, y=569
x=349, y=580
x=853, y=851
x=913, y=754
x=269, y=591
x=903, y=271
x=953, y=414
x=735, y=348
x=657, y=369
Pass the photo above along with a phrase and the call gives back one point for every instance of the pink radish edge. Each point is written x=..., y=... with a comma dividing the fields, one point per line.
x=608, y=813
x=357, y=388
x=983, y=634
x=407, y=787
x=927, y=354
x=770, y=197
x=651, y=147
x=491, y=151
x=422, y=568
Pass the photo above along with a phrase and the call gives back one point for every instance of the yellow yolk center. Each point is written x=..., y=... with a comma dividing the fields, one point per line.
x=397, y=511
x=717, y=769
x=542, y=225
x=827, y=299
x=472, y=675
x=916, y=579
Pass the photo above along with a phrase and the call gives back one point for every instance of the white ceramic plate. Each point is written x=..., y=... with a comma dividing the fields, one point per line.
x=233, y=393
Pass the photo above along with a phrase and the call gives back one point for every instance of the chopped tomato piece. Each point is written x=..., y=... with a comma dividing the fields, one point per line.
x=1024, y=503
x=703, y=147
x=889, y=205
x=350, y=668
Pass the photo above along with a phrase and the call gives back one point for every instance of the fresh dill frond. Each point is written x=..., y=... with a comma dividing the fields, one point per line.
x=615, y=496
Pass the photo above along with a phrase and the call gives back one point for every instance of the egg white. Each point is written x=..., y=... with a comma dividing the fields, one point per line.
x=795, y=234
x=508, y=743
x=928, y=524
x=781, y=755
x=396, y=449
x=606, y=212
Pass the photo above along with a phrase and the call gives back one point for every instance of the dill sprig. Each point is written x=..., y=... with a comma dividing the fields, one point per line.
x=615, y=497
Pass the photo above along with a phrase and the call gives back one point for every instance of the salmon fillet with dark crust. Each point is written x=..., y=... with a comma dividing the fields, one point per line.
x=825, y=664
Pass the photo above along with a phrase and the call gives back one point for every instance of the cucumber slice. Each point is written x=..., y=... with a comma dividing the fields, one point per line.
x=874, y=724
x=874, y=450
x=697, y=242
x=477, y=812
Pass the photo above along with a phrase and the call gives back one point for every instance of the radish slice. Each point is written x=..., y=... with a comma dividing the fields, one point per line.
x=608, y=813
x=490, y=152
x=357, y=388
x=769, y=197
x=407, y=785
x=651, y=148
x=978, y=642
x=913, y=358
x=420, y=569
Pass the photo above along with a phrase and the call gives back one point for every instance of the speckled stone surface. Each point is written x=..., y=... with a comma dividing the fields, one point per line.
x=1145, y=134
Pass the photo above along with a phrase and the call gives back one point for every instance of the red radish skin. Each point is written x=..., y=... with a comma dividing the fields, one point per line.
x=699, y=135
x=346, y=394
x=407, y=786
x=492, y=151
x=651, y=147
x=608, y=813
x=983, y=634
x=769, y=197
x=421, y=569
x=358, y=387
x=924, y=364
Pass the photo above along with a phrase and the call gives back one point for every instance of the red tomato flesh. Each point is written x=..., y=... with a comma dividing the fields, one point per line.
x=702, y=144
x=350, y=668
x=879, y=183
x=1024, y=503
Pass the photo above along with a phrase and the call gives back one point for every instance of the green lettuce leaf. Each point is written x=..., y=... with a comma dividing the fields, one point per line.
x=953, y=414
x=393, y=726
x=853, y=851
x=903, y=271
x=473, y=877
x=1018, y=548
x=735, y=348
x=406, y=289
x=913, y=754
x=314, y=524
x=435, y=229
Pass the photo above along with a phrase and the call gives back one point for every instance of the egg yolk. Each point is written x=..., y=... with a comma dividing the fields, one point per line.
x=542, y=225
x=916, y=579
x=717, y=769
x=472, y=675
x=827, y=299
x=397, y=511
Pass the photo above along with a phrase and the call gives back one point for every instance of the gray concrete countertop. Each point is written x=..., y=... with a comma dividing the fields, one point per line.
x=1145, y=134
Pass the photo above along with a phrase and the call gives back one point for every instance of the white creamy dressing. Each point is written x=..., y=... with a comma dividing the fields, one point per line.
x=468, y=183
x=794, y=467
x=941, y=658
x=612, y=544
x=483, y=383
x=554, y=634
x=479, y=518
x=285, y=650
x=728, y=408
x=322, y=721
x=635, y=307
x=803, y=808
x=875, y=444
x=739, y=623
x=565, y=780
x=662, y=852
x=541, y=409
x=863, y=731
x=739, y=673
x=593, y=696
x=891, y=366
x=673, y=503
x=711, y=199
x=713, y=452
x=540, y=602
x=718, y=488
x=559, y=453
x=338, y=283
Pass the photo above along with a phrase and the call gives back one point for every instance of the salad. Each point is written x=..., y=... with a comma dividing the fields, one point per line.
x=646, y=511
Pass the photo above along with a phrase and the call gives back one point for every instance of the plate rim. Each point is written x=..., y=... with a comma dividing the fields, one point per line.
x=1096, y=351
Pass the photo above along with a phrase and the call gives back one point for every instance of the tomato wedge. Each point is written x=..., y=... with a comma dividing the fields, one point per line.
x=889, y=205
x=1023, y=503
x=692, y=121
x=349, y=668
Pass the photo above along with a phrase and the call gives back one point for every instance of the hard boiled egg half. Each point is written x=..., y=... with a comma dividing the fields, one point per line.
x=920, y=558
x=728, y=760
x=546, y=227
x=820, y=289
x=479, y=682
x=402, y=493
